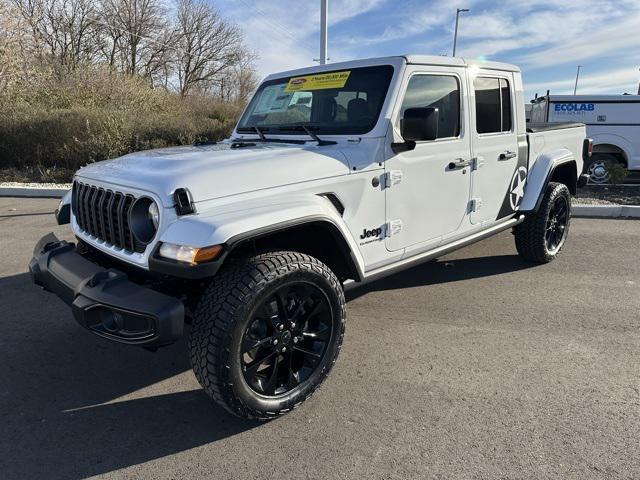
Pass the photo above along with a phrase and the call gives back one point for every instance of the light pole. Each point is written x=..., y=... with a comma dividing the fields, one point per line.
x=324, y=13
x=575, y=88
x=455, y=35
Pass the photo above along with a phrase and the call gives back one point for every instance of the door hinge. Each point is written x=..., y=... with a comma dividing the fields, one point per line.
x=392, y=177
x=475, y=204
x=393, y=227
x=476, y=163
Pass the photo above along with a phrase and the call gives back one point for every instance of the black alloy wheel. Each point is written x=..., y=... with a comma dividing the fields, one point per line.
x=266, y=332
x=286, y=339
x=556, y=227
x=543, y=233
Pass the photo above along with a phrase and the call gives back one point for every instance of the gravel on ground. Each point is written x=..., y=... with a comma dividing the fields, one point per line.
x=608, y=195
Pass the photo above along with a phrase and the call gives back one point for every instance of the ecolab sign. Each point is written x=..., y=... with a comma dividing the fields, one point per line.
x=574, y=107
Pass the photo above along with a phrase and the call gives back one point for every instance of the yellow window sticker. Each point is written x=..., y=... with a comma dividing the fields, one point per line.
x=318, y=81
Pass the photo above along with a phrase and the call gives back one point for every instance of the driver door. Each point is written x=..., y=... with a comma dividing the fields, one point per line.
x=428, y=195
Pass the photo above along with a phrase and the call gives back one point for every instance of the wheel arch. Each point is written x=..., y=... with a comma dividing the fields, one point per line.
x=611, y=149
x=316, y=236
x=613, y=144
x=557, y=166
x=311, y=224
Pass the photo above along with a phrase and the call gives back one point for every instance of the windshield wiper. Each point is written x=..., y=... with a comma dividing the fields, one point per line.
x=308, y=130
x=260, y=131
x=260, y=134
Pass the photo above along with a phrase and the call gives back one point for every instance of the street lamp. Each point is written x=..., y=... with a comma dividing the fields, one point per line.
x=575, y=87
x=455, y=35
x=324, y=19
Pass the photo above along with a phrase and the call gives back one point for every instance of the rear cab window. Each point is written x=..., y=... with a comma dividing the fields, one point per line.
x=493, y=105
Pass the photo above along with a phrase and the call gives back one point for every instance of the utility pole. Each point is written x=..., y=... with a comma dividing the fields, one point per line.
x=455, y=35
x=575, y=88
x=324, y=14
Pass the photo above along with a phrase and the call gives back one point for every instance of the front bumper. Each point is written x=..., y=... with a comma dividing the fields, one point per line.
x=104, y=300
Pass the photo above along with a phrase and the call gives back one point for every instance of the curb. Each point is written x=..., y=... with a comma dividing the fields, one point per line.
x=30, y=192
x=578, y=211
x=605, y=211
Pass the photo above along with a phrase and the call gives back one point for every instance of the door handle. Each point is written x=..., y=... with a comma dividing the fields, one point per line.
x=458, y=164
x=507, y=155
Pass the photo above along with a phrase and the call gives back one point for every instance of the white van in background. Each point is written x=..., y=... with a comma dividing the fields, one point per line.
x=613, y=122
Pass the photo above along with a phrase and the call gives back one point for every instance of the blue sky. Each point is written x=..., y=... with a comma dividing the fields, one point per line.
x=546, y=38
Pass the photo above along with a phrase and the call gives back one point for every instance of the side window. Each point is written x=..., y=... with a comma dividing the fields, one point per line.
x=437, y=91
x=505, y=98
x=493, y=105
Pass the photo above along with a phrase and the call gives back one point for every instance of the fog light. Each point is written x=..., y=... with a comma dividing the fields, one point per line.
x=188, y=254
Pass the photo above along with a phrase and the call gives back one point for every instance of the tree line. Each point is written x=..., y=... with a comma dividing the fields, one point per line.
x=185, y=46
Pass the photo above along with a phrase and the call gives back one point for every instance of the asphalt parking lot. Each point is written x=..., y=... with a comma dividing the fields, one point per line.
x=474, y=366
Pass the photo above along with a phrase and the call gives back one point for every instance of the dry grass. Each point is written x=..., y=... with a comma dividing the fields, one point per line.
x=52, y=126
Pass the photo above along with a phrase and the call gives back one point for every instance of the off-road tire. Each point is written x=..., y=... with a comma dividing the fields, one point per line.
x=530, y=234
x=221, y=318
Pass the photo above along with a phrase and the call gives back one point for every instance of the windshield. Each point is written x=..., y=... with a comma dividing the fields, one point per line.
x=344, y=102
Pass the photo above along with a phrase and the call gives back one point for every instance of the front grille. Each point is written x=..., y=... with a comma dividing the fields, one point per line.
x=104, y=214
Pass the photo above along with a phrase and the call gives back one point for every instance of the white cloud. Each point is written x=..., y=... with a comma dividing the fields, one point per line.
x=543, y=36
x=610, y=38
x=614, y=81
x=346, y=9
x=285, y=34
x=408, y=22
x=552, y=32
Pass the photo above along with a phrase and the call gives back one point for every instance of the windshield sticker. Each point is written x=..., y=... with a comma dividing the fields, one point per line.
x=319, y=81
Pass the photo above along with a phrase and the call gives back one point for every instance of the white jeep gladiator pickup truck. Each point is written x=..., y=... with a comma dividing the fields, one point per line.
x=335, y=175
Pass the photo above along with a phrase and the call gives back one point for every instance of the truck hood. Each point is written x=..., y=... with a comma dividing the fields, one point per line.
x=216, y=171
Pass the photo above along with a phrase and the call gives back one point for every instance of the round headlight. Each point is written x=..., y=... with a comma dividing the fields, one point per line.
x=154, y=214
x=144, y=217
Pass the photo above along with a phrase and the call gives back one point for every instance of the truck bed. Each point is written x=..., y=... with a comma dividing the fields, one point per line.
x=548, y=137
x=545, y=126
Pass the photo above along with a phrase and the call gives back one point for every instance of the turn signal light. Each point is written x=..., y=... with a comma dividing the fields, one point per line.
x=188, y=254
x=207, y=253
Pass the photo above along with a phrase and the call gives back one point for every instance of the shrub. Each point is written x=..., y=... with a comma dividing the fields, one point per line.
x=617, y=172
x=60, y=124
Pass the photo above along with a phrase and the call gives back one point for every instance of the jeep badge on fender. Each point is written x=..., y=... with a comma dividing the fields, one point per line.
x=253, y=240
x=376, y=232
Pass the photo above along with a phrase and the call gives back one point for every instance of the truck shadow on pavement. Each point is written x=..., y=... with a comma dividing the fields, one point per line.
x=60, y=389
x=72, y=404
x=443, y=271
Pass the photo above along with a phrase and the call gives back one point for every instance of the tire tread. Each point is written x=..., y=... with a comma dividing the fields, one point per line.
x=529, y=235
x=218, y=312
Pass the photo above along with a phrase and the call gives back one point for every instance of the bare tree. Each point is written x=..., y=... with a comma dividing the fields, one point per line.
x=136, y=34
x=62, y=30
x=245, y=77
x=11, y=39
x=206, y=45
x=189, y=48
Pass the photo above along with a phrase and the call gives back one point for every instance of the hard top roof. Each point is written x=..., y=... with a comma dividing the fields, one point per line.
x=397, y=61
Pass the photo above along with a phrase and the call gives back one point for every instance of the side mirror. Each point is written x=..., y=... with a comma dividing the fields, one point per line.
x=420, y=124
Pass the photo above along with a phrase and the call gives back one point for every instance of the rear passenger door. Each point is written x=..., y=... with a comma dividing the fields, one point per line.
x=498, y=175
